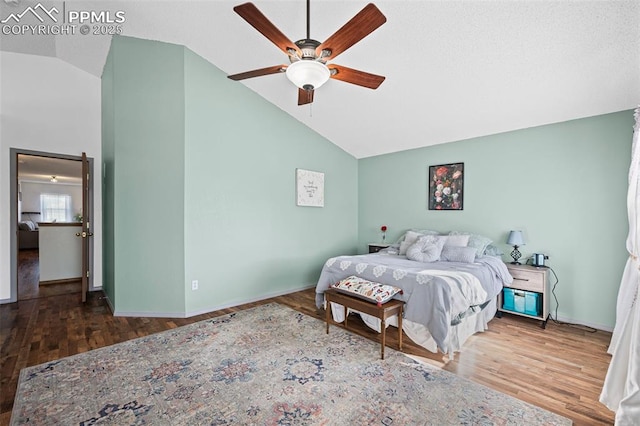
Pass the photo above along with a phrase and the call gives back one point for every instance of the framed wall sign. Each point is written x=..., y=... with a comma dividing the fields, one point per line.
x=309, y=188
x=446, y=187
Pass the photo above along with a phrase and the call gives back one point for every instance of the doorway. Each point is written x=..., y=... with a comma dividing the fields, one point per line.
x=47, y=200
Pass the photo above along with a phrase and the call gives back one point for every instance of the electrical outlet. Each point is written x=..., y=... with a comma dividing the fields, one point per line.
x=194, y=285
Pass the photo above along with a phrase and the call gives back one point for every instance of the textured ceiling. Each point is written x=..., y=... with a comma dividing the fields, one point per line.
x=454, y=69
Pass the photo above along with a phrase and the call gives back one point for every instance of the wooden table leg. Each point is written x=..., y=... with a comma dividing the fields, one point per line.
x=384, y=329
x=327, y=314
x=400, y=329
x=345, y=316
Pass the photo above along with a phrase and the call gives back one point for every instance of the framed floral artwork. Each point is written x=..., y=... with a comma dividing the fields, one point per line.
x=309, y=188
x=446, y=187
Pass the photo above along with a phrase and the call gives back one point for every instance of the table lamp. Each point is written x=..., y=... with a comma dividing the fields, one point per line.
x=515, y=239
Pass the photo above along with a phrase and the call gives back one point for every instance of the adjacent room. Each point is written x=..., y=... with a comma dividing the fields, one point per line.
x=49, y=200
x=470, y=163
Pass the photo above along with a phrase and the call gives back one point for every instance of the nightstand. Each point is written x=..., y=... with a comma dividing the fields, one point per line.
x=528, y=295
x=376, y=247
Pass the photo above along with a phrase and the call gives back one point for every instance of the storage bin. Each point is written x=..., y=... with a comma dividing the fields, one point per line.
x=532, y=303
x=521, y=301
x=507, y=299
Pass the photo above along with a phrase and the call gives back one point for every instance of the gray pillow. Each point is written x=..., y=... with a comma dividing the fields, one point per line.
x=458, y=254
x=494, y=251
x=426, y=249
x=477, y=241
x=23, y=226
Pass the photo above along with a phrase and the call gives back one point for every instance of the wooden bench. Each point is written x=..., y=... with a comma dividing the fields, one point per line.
x=392, y=307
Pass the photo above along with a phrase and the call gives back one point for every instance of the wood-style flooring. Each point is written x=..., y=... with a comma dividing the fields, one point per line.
x=29, y=279
x=560, y=369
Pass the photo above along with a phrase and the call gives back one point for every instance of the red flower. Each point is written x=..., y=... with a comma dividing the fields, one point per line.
x=441, y=171
x=383, y=228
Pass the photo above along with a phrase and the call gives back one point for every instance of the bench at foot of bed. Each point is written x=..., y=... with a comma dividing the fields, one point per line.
x=384, y=311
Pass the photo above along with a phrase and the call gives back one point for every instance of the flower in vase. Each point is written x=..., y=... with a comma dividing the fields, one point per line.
x=383, y=229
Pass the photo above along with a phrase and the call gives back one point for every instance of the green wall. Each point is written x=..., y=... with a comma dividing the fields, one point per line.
x=108, y=194
x=245, y=236
x=222, y=160
x=145, y=167
x=563, y=184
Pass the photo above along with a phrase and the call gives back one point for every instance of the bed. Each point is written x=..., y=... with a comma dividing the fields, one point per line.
x=446, y=301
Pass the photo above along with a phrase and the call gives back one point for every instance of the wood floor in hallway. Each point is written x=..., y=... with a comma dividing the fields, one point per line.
x=29, y=279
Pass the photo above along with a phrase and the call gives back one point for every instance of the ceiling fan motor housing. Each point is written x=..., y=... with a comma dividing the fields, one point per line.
x=308, y=48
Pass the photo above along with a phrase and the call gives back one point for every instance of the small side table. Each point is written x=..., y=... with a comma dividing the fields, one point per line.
x=376, y=247
x=529, y=278
x=392, y=307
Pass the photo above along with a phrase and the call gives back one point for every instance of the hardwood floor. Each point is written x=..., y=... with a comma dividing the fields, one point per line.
x=29, y=279
x=560, y=369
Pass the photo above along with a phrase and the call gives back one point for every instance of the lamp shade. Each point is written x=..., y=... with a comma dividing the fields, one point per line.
x=308, y=74
x=515, y=238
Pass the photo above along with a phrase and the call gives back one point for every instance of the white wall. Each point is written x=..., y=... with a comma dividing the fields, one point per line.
x=50, y=106
x=31, y=192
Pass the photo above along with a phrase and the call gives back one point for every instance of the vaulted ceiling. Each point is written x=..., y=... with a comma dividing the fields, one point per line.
x=454, y=69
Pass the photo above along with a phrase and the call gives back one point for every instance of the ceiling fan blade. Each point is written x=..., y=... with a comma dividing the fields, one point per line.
x=360, y=26
x=250, y=13
x=361, y=78
x=305, y=96
x=258, y=73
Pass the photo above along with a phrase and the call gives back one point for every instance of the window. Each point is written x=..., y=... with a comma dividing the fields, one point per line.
x=55, y=207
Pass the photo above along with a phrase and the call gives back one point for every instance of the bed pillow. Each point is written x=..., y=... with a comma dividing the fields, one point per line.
x=402, y=251
x=426, y=249
x=458, y=254
x=494, y=251
x=23, y=226
x=461, y=240
x=367, y=290
x=479, y=242
x=411, y=236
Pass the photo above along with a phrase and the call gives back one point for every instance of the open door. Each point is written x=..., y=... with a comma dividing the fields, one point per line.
x=86, y=227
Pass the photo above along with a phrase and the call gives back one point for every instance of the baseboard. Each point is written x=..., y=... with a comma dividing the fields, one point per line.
x=585, y=323
x=62, y=281
x=206, y=310
x=109, y=304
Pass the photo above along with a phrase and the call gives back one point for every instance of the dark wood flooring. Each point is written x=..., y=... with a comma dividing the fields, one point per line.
x=29, y=279
x=560, y=369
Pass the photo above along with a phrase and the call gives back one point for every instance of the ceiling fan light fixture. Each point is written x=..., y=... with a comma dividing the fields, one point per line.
x=308, y=74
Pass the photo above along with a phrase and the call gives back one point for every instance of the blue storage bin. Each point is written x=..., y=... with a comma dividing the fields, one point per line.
x=521, y=301
x=532, y=303
x=507, y=299
x=518, y=301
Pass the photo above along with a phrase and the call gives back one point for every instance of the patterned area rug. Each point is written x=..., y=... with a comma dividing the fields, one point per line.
x=268, y=365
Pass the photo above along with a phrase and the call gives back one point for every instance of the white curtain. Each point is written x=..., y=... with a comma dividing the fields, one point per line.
x=621, y=390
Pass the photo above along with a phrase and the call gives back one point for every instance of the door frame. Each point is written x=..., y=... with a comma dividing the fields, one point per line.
x=13, y=216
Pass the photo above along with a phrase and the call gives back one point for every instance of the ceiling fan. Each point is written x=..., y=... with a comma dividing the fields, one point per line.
x=308, y=68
